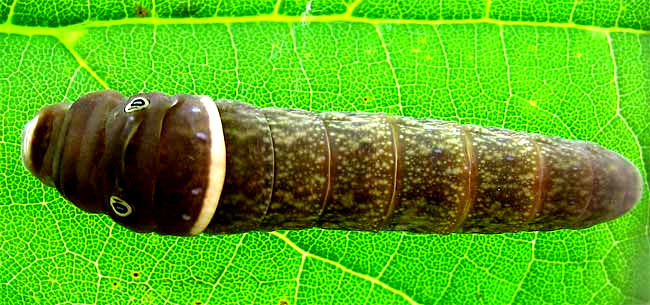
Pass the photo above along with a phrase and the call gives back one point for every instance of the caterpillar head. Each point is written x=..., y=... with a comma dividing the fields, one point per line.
x=153, y=162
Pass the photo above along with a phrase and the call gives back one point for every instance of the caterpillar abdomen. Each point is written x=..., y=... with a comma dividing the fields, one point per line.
x=293, y=169
x=362, y=171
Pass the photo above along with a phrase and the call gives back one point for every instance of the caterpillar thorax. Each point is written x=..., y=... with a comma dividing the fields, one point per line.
x=185, y=164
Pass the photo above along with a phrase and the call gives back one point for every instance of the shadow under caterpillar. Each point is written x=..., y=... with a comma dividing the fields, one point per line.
x=184, y=164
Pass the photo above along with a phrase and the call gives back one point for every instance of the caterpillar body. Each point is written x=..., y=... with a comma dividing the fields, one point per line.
x=185, y=164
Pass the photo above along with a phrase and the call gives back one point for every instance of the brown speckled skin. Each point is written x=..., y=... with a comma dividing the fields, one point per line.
x=246, y=193
x=398, y=173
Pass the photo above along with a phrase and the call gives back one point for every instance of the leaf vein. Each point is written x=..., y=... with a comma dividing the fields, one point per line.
x=366, y=277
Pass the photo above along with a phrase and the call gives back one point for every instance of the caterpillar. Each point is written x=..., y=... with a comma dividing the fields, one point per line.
x=185, y=164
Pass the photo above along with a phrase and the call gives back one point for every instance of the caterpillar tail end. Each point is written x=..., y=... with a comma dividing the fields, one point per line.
x=618, y=187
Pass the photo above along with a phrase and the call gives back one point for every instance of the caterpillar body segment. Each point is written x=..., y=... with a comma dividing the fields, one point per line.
x=184, y=164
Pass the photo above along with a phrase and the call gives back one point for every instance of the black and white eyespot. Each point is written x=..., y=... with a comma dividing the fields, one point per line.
x=120, y=207
x=137, y=104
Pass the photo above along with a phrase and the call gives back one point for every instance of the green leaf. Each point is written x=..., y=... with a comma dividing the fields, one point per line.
x=579, y=70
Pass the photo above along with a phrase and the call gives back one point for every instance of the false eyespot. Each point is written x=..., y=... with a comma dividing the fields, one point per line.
x=120, y=207
x=136, y=104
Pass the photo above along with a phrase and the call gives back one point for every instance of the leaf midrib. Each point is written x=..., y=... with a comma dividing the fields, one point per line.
x=9, y=28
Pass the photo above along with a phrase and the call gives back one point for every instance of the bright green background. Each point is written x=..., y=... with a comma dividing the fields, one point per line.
x=579, y=70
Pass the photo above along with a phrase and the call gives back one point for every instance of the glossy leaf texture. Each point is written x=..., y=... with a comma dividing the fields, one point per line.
x=580, y=70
